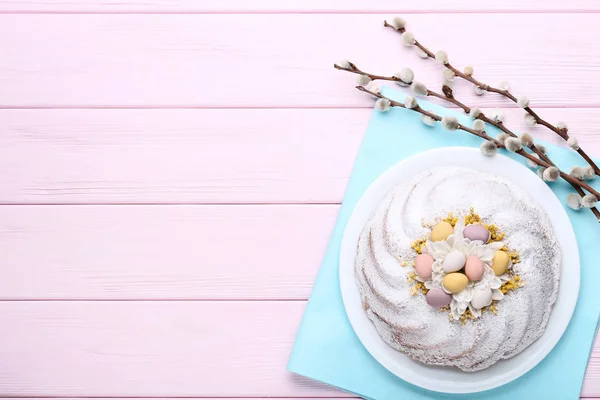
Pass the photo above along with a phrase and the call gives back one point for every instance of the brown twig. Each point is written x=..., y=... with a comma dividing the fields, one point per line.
x=563, y=133
x=354, y=69
x=482, y=134
x=449, y=97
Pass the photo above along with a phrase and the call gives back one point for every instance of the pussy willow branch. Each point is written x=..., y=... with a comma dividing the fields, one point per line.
x=484, y=135
x=506, y=93
x=355, y=70
x=449, y=97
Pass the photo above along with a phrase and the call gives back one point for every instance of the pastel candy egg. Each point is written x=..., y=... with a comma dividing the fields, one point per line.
x=441, y=231
x=474, y=268
x=482, y=297
x=436, y=297
x=500, y=262
x=455, y=282
x=454, y=261
x=423, y=264
x=477, y=232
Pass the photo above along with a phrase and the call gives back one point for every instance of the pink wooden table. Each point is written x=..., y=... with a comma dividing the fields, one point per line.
x=172, y=169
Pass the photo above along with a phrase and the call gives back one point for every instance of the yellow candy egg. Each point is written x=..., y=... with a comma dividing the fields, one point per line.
x=455, y=282
x=441, y=231
x=500, y=262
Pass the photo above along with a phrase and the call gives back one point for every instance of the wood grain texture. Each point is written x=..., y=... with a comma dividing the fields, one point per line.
x=199, y=156
x=162, y=252
x=296, y=6
x=238, y=104
x=150, y=349
x=177, y=156
x=263, y=60
x=158, y=349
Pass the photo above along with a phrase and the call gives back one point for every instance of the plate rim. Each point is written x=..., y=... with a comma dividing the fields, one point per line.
x=451, y=156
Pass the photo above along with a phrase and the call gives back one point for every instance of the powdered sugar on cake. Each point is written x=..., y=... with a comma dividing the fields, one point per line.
x=407, y=323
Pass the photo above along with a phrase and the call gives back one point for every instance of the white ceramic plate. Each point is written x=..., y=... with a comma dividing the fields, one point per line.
x=447, y=379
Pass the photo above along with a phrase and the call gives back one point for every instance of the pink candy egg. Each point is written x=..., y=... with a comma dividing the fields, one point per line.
x=476, y=232
x=474, y=268
x=436, y=297
x=423, y=264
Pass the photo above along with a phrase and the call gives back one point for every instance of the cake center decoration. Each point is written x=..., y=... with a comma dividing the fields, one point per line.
x=463, y=267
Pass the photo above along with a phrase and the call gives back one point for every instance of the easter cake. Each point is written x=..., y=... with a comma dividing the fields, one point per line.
x=458, y=267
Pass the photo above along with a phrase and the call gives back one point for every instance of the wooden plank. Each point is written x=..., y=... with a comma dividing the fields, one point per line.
x=195, y=349
x=198, y=156
x=175, y=156
x=261, y=60
x=162, y=252
x=241, y=6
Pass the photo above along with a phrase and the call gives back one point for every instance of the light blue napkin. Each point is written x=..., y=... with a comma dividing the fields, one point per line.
x=326, y=348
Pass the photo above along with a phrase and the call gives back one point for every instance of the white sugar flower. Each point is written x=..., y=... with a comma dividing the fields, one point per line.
x=532, y=164
x=422, y=54
x=523, y=101
x=502, y=137
x=419, y=89
x=526, y=139
x=479, y=125
x=574, y=201
x=474, y=113
x=562, y=126
x=478, y=91
x=450, y=123
x=513, y=144
x=406, y=76
x=427, y=120
x=504, y=86
x=589, y=201
x=448, y=75
x=456, y=242
x=441, y=57
x=383, y=105
x=345, y=64
x=488, y=148
x=576, y=172
x=551, y=174
x=408, y=39
x=529, y=119
x=497, y=115
x=362, y=80
x=573, y=143
x=410, y=102
x=398, y=23
x=588, y=173
x=468, y=70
